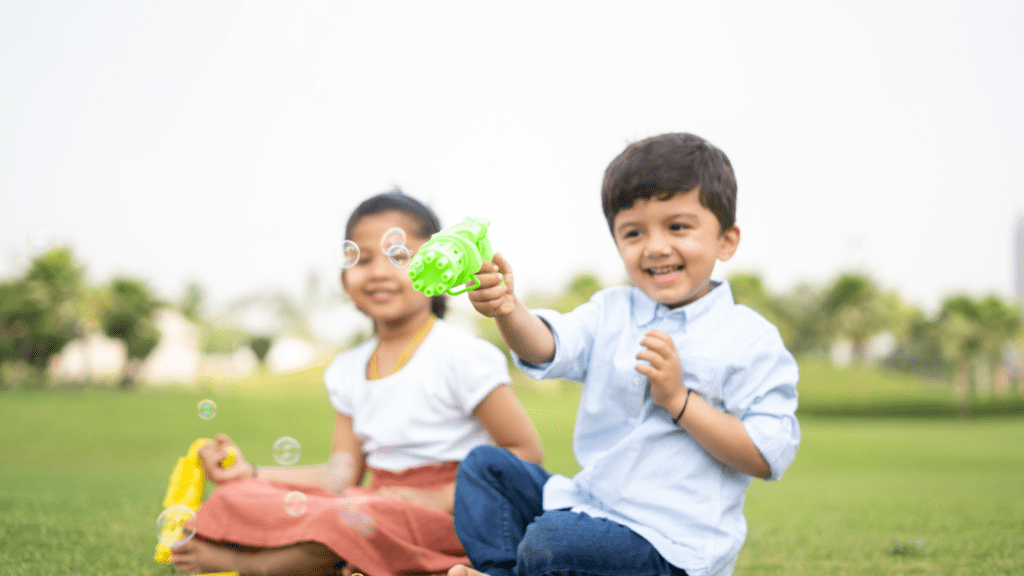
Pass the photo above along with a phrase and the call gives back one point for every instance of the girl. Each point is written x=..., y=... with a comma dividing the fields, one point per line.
x=412, y=402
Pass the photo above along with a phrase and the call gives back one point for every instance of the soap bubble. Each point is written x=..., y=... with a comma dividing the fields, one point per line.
x=340, y=470
x=176, y=525
x=353, y=513
x=287, y=451
x=399, y=255
x=392, y=237
x=207, y=409
x=348, y=255
x=295, y=503
x=41, y=238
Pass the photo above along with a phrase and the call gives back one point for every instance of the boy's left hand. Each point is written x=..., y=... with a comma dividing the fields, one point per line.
x=665, y=372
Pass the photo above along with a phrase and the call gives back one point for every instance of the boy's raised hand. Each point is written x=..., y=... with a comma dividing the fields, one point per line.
x=211, y=455
x=664, y=371
x=494, y=297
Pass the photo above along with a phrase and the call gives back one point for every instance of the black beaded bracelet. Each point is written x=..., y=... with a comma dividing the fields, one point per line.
x=676, y=419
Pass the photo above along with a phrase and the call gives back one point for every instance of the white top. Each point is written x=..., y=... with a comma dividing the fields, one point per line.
x=422, y=414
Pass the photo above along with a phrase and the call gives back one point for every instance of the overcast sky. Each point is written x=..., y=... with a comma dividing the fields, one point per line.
x=226, y=142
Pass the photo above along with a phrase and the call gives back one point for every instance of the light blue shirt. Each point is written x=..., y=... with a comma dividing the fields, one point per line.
x=638, y=468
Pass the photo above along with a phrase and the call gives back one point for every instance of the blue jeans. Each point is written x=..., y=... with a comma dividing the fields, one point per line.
x=505, y=530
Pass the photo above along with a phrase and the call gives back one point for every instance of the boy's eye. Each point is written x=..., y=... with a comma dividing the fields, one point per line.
x=677, y=226
x=631, y=234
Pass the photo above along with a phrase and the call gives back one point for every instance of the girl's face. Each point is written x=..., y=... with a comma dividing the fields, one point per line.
x=377, y=287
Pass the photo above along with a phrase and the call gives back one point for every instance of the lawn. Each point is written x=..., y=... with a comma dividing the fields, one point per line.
x=82, y=474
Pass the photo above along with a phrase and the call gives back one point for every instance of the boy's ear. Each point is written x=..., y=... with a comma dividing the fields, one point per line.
x=728, y=241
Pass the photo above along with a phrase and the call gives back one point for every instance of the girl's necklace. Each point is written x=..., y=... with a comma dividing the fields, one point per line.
x=374, y=375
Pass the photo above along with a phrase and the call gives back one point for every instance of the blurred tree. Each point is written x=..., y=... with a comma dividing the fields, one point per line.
x=260, y=345
x=129, y=315
x=38, y=313
x=749, y=290
x=1000, y=323
x=959, y=334
x=802, y=306
x=192, y=302
x=857, y=310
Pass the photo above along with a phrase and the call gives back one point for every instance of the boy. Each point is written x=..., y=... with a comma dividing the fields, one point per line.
x=686, y=396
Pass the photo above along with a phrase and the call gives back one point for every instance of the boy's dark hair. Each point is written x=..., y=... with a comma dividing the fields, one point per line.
x=397, y=201
x=663, y=166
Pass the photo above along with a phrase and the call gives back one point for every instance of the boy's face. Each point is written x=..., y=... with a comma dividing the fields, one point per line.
x=670, y=246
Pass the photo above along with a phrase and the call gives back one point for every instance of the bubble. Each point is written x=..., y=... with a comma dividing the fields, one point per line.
x=40, y=238
x=392, y=237
x=348, y=255
x=295, y=503
x=638, y=380
x=340, y=470
x=399, y=255
x=287, y=451
x=353, y=513
x=176, y=525
x=266, y=231
x=207, y=409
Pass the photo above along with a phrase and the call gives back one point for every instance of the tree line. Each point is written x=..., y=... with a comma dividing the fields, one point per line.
x=969, y=342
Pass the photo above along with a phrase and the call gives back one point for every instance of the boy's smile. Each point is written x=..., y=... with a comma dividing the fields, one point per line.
x=670, y=247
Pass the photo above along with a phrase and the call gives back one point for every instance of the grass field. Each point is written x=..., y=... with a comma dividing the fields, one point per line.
x=82, y=473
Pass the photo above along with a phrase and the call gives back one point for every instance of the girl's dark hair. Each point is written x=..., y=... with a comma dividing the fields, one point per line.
x=397, y=201
x=663, y=166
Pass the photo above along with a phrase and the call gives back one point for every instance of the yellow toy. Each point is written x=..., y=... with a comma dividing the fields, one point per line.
x=184, y=495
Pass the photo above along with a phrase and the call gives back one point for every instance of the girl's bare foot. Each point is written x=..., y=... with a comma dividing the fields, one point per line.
x=198, y=556
x=460, y=570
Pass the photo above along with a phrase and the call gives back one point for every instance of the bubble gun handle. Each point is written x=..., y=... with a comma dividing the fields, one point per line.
x=188, y=480
x=452, y=257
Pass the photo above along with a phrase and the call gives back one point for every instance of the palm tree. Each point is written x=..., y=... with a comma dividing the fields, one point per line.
x=857, y=310
x=959, y=334
x=1000, y=322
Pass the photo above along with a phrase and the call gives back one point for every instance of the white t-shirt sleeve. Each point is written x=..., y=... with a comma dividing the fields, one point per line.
x=338, y=378
x=477, y=371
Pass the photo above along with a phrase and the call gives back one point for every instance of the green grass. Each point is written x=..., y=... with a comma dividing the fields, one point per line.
x=82, y=474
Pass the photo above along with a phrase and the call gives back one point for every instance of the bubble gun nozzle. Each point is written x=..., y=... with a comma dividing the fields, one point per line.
x=451, y=258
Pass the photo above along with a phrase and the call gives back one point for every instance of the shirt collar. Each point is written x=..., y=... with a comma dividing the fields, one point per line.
x=646, y=310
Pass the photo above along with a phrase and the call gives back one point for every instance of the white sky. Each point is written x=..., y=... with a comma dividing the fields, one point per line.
x=227, y=142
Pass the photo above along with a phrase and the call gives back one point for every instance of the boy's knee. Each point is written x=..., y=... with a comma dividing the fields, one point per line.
x=541, y=545
x=484, y=458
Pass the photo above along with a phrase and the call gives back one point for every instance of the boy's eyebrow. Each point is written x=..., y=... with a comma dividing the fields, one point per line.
x=685, y=214
x=626, y=224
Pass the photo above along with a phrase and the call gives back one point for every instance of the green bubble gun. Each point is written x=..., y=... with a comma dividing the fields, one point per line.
x=451, y=258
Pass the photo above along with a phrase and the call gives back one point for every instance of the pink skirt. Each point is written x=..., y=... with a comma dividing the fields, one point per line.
x=380, y=535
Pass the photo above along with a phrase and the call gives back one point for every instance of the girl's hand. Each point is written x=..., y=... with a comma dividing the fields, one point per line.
x=665, y=372
x=494, y=297
x=212, y=454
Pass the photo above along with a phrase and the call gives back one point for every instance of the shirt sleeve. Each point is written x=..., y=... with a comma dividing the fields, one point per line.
x=765, y=399
x=574, y=334
x=479, y=368
x=338, y=394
